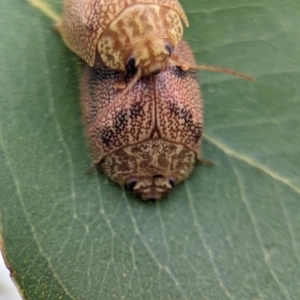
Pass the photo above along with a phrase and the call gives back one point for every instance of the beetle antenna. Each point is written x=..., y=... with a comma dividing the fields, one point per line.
x=175, y=60
x=221, y=70
x=118, y=101
x=136, y=77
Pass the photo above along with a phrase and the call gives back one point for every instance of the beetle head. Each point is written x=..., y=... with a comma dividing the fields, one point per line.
x=150, y=57
x=151, y=188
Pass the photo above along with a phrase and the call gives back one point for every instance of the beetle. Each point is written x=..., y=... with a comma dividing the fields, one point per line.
x=139, y=34
x=148, y=140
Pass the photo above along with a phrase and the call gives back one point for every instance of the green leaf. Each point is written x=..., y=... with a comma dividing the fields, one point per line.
x=231, y=231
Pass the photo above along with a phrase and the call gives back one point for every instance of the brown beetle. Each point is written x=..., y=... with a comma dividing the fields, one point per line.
x=125, y=34
x=149, y=139
x=138, y=35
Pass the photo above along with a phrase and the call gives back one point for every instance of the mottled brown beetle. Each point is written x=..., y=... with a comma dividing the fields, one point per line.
x=132, y=33
x=149, y=139
x=127, y=35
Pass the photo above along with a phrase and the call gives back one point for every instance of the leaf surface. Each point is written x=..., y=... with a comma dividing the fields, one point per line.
x=231, y=231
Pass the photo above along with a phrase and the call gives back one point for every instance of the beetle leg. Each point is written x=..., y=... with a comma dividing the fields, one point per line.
x=57, y=27
x=90, y=169
x=175, y=60
x=204, y=162
x=120, y=84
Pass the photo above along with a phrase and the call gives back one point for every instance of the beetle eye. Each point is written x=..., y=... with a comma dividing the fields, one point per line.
x=172, y=181
x=151, y=200
x=131, y=64
x=169, y=48
x=157, y=176
x=130, y=184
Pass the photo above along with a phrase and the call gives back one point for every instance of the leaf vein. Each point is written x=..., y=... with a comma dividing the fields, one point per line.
x=59, y=130
x=257, y=232
x=250, y=161
x=201, y=236
x=35, y=236
x=42, y=6
x=150, y=251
